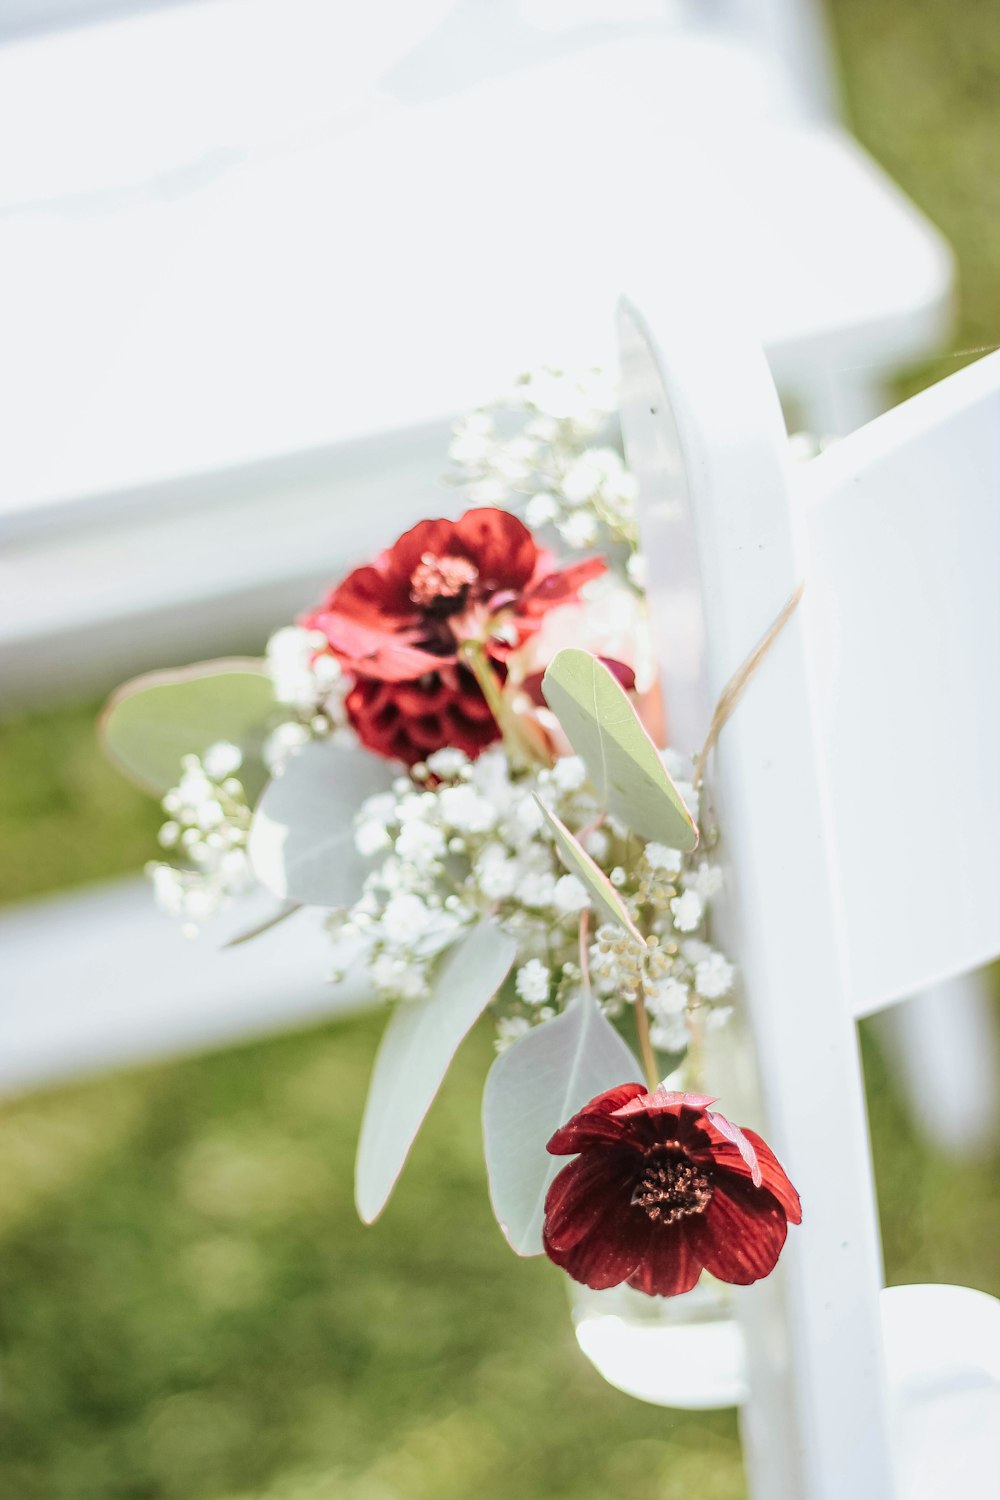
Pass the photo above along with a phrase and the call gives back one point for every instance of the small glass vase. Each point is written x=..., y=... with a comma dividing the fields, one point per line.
x=685, y=1351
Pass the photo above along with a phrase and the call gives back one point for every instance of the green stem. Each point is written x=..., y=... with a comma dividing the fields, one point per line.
x=646, y=1052
x=693, y=1067
x=520, y=745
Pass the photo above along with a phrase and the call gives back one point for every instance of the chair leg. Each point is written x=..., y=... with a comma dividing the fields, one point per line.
x=945, y=1044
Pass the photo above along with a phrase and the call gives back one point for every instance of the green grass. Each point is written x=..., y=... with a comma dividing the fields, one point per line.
x=65, y=815
x=921, y=81
x=189, y=1309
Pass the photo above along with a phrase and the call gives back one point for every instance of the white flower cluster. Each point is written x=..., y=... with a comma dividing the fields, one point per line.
x=681, y=977
x=555, y=467
x=310, y=682
x=207, y=824
x=459, y=839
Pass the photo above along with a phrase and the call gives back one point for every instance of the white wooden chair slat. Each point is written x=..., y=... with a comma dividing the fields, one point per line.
x=880, y=692
x=903, y=520
x=813, y=1341
x=136, y=281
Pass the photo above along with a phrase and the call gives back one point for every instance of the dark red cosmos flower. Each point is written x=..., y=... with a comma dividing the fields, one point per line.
x=397, y=625
x=661, y=1188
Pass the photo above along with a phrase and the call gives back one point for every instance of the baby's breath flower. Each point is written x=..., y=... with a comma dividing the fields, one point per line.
x=569, y=773
x=668, y=998
x=208, y=825
x=221, y=760
x=282, y=743
x=532, y=982
x=537, y=890
x=541, y=510
x=510, y=1029
x=713, y=976
x=597, y=843
x=705, y=878
x=569, y=895
x=659, y=857
x=463, y=808
x=447, y=763
x=420, y=843
x=687, y=911
x=578, y=529
x=371, y=837
x=670, y=1034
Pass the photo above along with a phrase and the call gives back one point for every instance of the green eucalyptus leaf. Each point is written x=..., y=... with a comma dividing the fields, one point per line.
x=579, y=863
x=301, y=842
x=621, y=759
x=532, y=1089
x=150, y=723
x=416, y=1050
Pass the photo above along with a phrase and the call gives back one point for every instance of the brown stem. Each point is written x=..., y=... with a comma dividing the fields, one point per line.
x=736, y=686
x=645, y=1045
x=584, y=947
x=288, y=910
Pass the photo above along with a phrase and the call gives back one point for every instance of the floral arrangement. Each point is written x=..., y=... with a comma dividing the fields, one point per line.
x=449, y=755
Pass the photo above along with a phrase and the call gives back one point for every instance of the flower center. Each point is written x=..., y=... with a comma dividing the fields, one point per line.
x=672, y=1188
x=440, y=584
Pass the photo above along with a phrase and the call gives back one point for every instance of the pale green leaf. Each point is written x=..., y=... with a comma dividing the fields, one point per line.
x=301, y=842
x=532, y=1089
x=621, y=759
x=154, y=720
x=579, y=863
x=417, y=1047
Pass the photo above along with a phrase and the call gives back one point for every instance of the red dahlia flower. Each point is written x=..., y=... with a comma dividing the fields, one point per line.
x=398, y=623
x=661, y=1188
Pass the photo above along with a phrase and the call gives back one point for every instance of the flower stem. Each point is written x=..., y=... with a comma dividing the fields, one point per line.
x=693, y=1066
x=584, y=947
x=520, y=743
x=736, y=686
x=645, y=1045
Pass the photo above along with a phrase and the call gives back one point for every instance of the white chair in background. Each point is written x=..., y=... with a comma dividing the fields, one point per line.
x=858, y=795
x=235, y=333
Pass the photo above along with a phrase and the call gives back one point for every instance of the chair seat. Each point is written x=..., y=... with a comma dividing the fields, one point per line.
x=398, y=272
x=942, y=1353
x=305, y=306
x=99, y=978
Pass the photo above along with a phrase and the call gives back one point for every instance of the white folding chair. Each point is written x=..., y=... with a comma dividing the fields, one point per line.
x=234, y=333
x=834, y=836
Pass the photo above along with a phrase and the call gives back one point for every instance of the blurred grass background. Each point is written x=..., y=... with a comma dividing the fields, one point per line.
x=189, y=1309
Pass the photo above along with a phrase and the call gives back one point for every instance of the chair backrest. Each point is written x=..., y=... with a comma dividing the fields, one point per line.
x=903, y=520
x=705, y=436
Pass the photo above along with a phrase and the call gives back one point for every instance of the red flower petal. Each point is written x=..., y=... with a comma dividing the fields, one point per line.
x=670, y=1266
x=739, y=1236
x=560, y=587
x=373, y=651
x=439, y=538
x=620, y=670
x=612, y=1252
x=583, y=1192
x=727, y=1158
x=373, y=596
x=501, y=546
x=593, y=1124
x=664, y=1101
x=406, y=721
